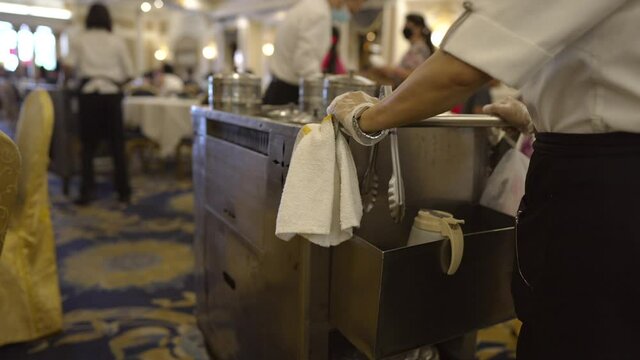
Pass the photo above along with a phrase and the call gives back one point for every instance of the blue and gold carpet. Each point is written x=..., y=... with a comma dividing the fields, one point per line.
x=127, y=284
x=126, y=277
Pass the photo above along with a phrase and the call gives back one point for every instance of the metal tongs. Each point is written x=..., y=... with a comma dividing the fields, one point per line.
x=396, y=183
x=369, y=184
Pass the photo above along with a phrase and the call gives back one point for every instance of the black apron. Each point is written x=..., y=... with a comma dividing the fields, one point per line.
x=281, y=93
x=576, y=282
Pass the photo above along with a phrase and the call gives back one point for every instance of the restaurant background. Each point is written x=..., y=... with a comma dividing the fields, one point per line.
x=214, y=36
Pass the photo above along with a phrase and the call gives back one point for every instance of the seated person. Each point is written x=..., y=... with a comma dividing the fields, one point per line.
x=167, y=82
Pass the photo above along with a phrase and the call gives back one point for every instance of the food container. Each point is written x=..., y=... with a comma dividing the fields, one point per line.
x=235, y=92
x=311, y=96
x=339, y=84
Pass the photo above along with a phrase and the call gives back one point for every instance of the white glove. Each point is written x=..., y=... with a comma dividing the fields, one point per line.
x=348, y=106
x=513, y=112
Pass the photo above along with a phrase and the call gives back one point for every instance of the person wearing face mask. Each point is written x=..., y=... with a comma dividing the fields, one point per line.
x=302, y=40
x=418, y=34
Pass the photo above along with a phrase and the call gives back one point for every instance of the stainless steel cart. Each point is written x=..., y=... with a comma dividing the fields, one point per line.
x=262, y=298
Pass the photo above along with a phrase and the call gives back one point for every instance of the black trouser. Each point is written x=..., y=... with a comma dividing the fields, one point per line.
x=101, y=119
x=576, y=282
x=281, y=93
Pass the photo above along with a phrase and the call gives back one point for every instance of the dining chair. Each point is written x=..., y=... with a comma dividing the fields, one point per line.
x=183, y=158
x=30, y=302
x=9, y=172
x=10, y=100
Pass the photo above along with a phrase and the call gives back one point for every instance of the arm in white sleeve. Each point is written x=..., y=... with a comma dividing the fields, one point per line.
x=125, y=61
x=313, y=43
x=512, y=39
x=71, y=59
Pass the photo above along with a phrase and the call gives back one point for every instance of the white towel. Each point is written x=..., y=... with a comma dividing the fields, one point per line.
x=321, y=198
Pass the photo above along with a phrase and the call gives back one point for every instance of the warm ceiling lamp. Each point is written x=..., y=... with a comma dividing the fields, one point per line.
x=268, y=49
x=38, y=11
x=145, y=7
x=191, y=4
x=209, y=52
x=161, y=54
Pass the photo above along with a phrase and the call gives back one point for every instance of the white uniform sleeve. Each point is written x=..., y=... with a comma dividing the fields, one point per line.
x=312, y=44
x=71, y=59
x=125, y=60
x=512, y=39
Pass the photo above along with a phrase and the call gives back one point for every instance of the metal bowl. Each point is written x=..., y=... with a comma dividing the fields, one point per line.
x=235, y=92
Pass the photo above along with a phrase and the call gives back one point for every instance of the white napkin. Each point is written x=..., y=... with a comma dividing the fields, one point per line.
x=321, y=198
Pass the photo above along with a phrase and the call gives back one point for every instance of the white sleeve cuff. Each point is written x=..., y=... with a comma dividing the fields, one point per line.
x=486, y=45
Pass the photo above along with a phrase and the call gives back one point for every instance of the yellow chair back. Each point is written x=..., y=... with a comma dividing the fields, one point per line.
x=9, y=172
x=30, y=302
x=33, y=137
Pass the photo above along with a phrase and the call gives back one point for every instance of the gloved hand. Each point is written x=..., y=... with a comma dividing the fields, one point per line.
x=513, y=112
x=349, y=105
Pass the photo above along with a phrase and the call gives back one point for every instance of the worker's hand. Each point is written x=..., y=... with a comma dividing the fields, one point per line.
x=513, y=112
x=347, y=106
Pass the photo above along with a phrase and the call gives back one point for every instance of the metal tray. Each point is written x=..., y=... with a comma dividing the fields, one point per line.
x=390, y=300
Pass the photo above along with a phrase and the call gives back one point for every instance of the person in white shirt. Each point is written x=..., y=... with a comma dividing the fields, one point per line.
x=576, y=282
x=102, y=62
x=302, y=40
x=168, y=82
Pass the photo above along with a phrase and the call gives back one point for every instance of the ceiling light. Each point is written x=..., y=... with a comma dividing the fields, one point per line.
x=191, y=4
x=268, y=49
x=161, y=54
x=145, y=7
x=210, y=52
x=38, y=11
x=158, y=4
x=371, y=36
x=242, y=23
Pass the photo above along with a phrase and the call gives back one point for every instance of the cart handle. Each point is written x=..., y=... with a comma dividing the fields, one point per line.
x=461, y=121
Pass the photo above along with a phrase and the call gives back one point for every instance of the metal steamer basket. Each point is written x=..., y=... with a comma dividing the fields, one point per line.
x=339, y=84
x=311, y=96
x=235, y=92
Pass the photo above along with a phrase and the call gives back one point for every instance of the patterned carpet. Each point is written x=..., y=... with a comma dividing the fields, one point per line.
x=127, y=285
x=126, y=277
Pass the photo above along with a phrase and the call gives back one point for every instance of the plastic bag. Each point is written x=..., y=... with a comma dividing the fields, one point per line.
x=505, y=186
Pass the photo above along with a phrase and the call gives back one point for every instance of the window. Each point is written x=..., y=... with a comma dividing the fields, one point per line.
x=45, y=48
x=25, y=44
x=8, y=43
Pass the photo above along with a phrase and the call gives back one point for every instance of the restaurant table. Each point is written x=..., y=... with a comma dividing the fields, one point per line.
x=164, y=120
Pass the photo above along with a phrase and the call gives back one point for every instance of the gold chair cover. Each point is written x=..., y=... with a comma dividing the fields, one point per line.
x=30, y=303
x=9, y=172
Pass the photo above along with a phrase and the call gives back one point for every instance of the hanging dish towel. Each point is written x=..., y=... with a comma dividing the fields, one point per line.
x=321, y=198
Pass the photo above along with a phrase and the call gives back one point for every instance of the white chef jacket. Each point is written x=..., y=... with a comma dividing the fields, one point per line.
x=577, y=63
x=103, y=57
x=302, y=40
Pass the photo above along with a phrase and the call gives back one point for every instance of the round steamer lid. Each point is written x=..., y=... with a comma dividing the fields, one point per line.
x=237, y=78
x=313, y=80
x=430, y=220
x=350, y=79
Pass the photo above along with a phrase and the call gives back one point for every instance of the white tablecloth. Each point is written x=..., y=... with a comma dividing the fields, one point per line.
x=163, y=120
